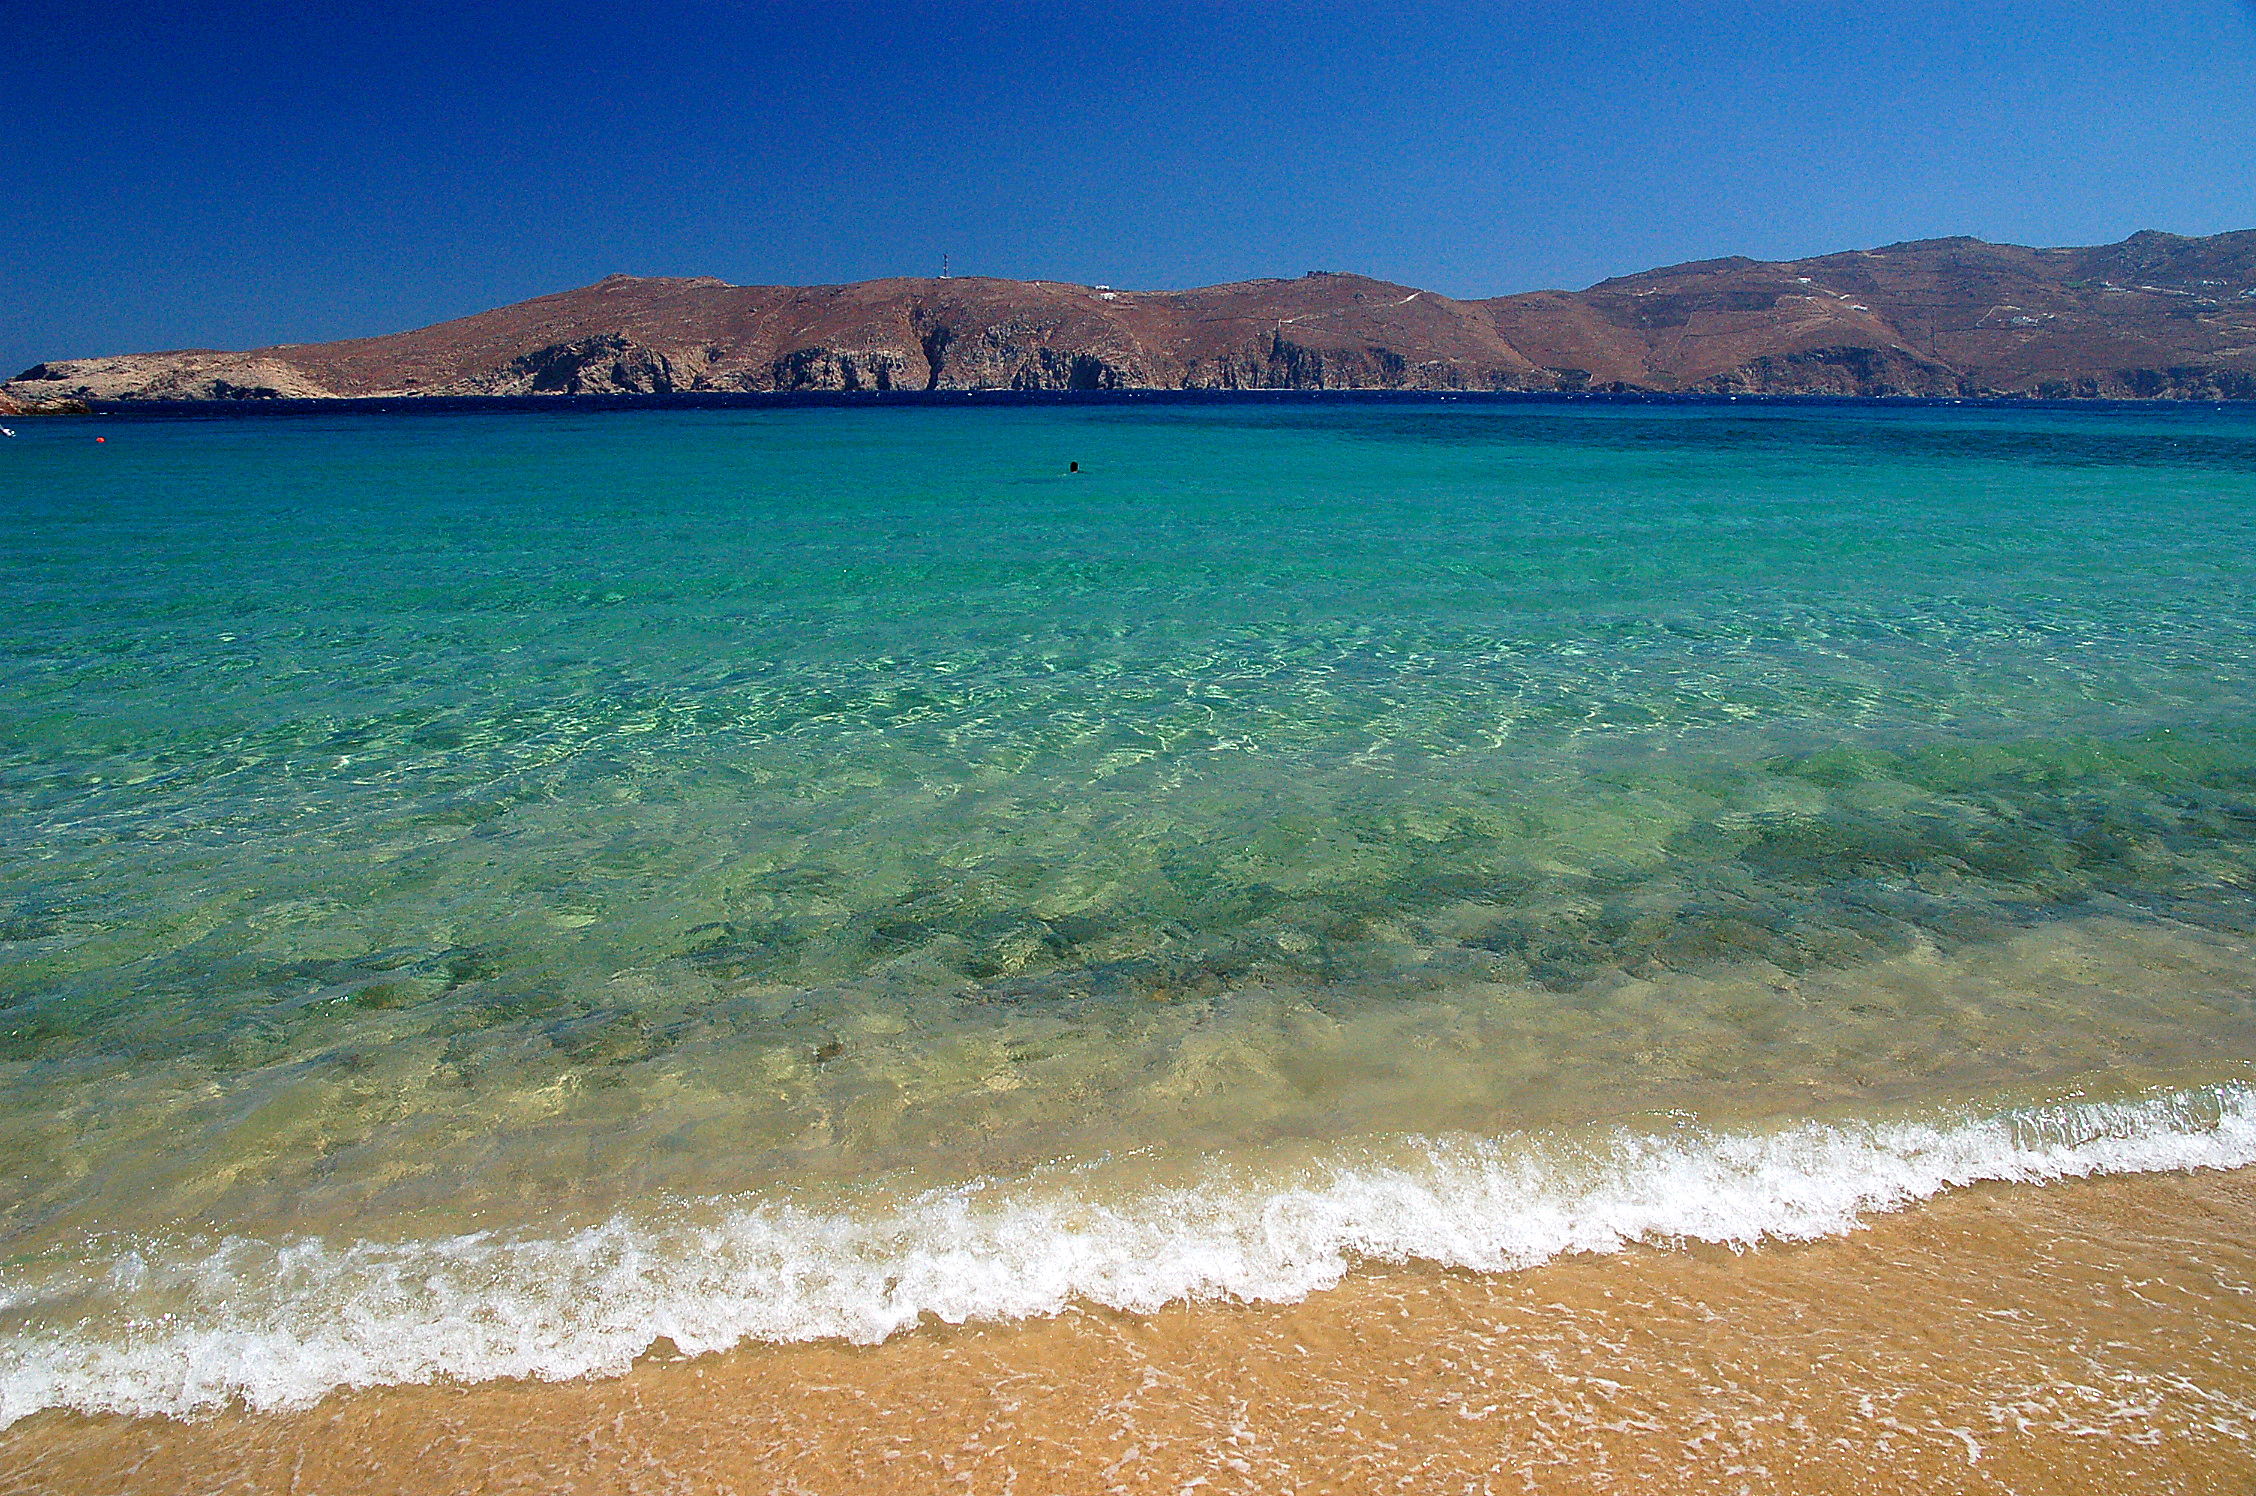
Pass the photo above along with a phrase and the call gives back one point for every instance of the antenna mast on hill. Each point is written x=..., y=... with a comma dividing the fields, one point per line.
x=943, y=265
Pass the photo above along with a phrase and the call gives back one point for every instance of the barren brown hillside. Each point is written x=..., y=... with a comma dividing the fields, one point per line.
x=2157, y=315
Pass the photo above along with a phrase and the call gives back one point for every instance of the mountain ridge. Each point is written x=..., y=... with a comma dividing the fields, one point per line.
x=2154, y=316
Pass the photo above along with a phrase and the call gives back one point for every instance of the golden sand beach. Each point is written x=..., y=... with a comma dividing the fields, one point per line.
x=2095, y=1336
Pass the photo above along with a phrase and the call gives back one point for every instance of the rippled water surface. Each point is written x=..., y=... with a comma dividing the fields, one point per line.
x=653, y=822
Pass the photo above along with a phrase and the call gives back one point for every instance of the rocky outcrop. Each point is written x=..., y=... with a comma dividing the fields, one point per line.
x=2156, y=316
x=605, y=364
x=2192, y=383
x=1838, y=370
x=1027, y=353
x=13, y=405
x=880, y=369
x=1283, y=363
x=194, y=375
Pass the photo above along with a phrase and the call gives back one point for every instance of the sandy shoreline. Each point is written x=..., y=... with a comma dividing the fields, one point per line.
x=2092, y=1336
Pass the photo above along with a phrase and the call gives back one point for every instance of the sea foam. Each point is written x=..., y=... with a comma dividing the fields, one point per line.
x=278, y=1324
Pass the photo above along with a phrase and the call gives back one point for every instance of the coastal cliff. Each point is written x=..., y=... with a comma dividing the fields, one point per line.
x=17, y=405
x=2157, y=316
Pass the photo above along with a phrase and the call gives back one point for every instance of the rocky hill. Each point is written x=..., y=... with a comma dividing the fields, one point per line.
x=2156, y=316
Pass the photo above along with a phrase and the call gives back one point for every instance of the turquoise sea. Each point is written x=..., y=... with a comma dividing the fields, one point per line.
x=482, y=892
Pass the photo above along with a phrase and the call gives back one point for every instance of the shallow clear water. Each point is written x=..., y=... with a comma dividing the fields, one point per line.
x=653, y=822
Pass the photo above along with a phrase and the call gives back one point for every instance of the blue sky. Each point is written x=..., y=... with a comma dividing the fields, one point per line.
x=228, y=175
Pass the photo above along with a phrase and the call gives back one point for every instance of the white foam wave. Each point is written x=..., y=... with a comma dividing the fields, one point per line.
x=276, y=1325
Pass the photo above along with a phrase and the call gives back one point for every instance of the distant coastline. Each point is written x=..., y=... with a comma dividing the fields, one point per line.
x=2155, y=317
x=1031, y=399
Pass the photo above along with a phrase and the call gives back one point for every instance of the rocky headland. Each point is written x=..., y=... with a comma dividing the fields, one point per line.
x=17, y=405
x=2158, y=316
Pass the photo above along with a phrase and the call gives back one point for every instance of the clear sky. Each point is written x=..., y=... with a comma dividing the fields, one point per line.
x=227, y=175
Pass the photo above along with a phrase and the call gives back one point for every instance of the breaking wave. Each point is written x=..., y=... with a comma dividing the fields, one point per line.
x=278, y=1324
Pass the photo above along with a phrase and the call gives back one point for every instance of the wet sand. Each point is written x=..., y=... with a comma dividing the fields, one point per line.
x=2092, y=1336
